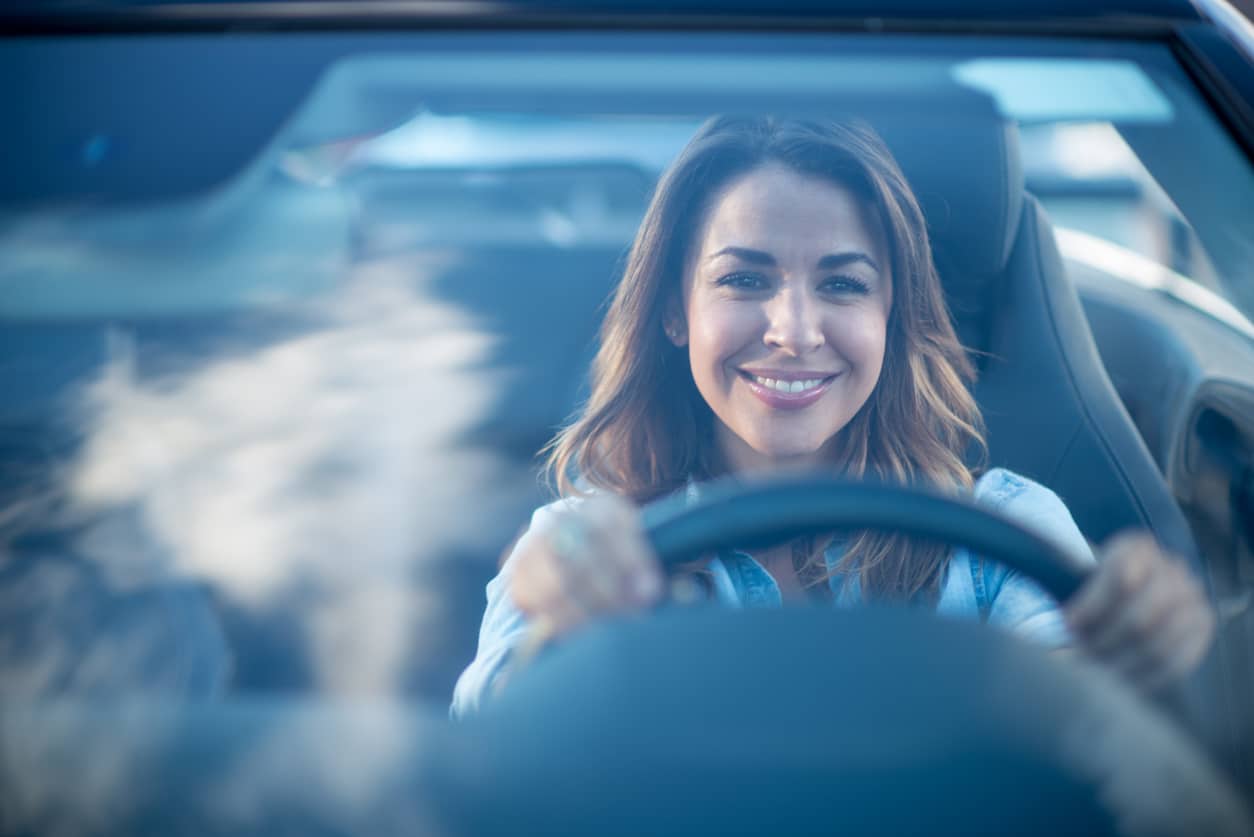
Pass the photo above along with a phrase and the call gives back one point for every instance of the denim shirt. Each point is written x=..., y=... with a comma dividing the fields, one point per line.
x=973, y=588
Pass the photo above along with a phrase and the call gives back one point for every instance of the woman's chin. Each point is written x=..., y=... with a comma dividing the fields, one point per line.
x=771, y=452
x=789, y=456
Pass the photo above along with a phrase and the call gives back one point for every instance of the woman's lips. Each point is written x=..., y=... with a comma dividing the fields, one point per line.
x=787, y=400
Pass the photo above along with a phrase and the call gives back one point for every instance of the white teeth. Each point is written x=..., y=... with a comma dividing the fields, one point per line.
x=788, y=386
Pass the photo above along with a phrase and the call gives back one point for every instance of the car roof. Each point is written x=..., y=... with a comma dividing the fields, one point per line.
x=888, y=14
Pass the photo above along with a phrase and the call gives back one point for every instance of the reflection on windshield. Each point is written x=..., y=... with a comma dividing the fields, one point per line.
x=321, y=473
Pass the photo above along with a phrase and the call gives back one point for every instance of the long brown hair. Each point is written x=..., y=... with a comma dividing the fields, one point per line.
x=645, y=430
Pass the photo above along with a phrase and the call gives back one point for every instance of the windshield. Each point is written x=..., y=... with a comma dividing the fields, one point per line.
x=317, y=393
x=392, y=308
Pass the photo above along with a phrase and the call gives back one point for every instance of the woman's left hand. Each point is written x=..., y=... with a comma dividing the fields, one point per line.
x=1142, y=613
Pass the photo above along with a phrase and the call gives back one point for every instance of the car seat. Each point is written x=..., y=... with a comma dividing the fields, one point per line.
x=1052, y=412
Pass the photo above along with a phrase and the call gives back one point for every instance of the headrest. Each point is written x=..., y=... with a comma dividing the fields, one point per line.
x=966, y=172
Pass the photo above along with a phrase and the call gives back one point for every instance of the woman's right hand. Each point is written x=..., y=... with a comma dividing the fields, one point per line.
x=588, y=561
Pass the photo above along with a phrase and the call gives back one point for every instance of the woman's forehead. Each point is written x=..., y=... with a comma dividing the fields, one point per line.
x=777, y=210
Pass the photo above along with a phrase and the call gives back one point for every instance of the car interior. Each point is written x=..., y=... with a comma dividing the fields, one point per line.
x=1052, y=409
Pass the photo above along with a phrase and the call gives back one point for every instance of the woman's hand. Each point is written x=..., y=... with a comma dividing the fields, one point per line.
x=1142, y=613
x=589, y=561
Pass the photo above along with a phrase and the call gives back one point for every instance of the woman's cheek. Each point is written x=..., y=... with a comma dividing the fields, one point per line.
x=861, y=339
x=719, y=340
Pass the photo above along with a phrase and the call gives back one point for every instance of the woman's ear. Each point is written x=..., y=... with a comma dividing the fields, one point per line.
x=674, y=323
x=675, y=327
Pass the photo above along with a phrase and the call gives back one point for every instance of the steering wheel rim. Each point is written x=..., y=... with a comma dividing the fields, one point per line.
x=762, y=513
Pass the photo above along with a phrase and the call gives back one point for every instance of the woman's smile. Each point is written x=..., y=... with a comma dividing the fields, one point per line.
x=782, y=390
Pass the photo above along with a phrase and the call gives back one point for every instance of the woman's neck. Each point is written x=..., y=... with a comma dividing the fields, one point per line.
x=778, y=561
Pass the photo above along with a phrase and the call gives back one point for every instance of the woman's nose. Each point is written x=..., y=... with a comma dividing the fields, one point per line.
x=793, y=323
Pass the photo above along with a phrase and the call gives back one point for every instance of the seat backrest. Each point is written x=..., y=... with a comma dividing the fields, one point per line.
x=1051, y=410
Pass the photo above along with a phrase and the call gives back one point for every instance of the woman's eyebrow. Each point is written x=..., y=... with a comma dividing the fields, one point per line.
x=828, y=262
x=746, y=255
x=835, y=260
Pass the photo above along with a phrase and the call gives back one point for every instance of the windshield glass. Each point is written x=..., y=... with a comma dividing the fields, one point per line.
x=317, y=394
x=340, y=364
x=286, y=349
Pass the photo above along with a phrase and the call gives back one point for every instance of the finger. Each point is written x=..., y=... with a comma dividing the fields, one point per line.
x=527, y=583
x=1173, y=654
x=637, y=578
x=601, y=562
x=1137, y=661
x=1197, y=645
x=604, y=559
x=564, y=609
x=540, y=633
x=589, y=585
x=1138, y=619
x=1123, y=571
x=1194, y=643
x=645, y=578
x=588, y=570
x=638, y=574
x=568, y=613
x=581, y=541
x=542, y=590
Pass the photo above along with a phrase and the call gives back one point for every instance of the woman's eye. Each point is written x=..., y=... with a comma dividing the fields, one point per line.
x=742, y=281
x=846, y=285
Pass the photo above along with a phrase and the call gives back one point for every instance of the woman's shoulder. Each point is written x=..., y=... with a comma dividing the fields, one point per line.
x=999, y=487
x=1017, y=496
x=1032, y=505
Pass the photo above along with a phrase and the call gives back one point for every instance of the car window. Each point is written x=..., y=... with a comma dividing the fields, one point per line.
x=336, y=369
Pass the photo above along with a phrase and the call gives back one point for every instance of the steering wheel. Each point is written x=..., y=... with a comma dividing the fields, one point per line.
x=769, y=511
x=763, y=513
x=822, y=720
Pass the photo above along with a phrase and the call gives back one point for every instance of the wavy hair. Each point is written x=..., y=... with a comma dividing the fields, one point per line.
x=645, y=430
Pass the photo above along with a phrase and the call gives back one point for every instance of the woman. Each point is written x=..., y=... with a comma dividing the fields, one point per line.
x=780, y=309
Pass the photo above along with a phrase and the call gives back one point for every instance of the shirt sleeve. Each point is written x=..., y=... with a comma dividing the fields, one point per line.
x=1018, y=603
x=504, y=626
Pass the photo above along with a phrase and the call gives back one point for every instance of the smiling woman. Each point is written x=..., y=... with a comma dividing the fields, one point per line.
x=825, y=205
x=797, y=317
x=780, y=309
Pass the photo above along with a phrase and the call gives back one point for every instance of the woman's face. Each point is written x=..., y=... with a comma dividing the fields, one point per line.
x=786, y=297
